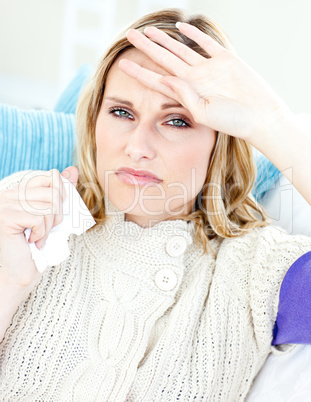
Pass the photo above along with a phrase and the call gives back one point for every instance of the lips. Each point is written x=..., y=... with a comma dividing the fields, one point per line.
x=139, y=173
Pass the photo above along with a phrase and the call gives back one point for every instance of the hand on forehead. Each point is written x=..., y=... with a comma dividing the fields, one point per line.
x=124, y=83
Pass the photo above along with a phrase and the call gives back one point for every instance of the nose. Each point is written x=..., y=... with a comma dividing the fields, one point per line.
x=141, y=142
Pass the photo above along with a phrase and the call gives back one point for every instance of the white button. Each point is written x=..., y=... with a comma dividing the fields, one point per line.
x=176, y=246
x=165, y=279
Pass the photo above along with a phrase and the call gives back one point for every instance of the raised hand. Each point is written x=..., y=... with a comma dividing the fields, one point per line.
x=227, y=95
x=222, y=92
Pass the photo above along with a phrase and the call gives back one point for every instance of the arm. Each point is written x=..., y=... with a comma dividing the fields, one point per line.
x=26, y=205
x=287, y=144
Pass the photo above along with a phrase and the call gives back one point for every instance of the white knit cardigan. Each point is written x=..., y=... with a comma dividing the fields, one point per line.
x=130, y=316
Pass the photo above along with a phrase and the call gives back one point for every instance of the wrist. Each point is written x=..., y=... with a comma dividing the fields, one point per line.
x=10, y=286
x=273, y=129
x=11, y=296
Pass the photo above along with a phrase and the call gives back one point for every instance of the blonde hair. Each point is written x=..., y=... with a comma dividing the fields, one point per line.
x=225, y=206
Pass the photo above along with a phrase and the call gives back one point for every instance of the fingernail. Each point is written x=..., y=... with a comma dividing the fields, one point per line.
x=178, y=24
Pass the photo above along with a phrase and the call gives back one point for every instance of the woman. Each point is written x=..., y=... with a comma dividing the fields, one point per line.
x=173, y=294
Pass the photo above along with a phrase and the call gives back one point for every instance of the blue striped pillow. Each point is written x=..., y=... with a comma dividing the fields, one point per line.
x=68, y=100
x=35, y=139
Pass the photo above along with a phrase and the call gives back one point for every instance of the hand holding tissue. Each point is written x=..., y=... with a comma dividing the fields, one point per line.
x=76, y=219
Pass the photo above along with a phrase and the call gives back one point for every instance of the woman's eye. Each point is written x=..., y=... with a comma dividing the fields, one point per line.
x=178, y=123
x=120, y=113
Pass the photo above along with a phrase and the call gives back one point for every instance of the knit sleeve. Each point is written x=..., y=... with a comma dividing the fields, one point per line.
x=12, y=180
x=274, y=253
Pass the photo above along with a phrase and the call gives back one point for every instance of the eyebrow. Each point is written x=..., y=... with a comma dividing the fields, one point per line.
x=130, y=104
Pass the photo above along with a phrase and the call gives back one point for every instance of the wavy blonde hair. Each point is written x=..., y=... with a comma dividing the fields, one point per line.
x=225, y=206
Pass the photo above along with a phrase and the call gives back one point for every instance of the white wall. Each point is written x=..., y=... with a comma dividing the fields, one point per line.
x=271, y=35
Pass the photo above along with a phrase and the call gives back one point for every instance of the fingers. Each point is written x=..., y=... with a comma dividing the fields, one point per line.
x=49, y=223
x=170, y=86
x=179, y=49
x=41, y=230
x=49, y=195
x=57, y=183
x=16, y=220
x=47, y=189
x=207, y=43
x=161, y=56
x=42, y=197
x=174, y=56
x=50, y=179
x=184, y=93
x=71, y=173
x=36, y=203
x=41, y=223
x=147, y=77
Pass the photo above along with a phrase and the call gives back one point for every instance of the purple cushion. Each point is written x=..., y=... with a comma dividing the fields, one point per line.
x=293, y=323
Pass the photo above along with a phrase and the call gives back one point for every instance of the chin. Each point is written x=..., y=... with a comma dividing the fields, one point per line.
x=148, y=209
x=135, y=206
x=151, y=203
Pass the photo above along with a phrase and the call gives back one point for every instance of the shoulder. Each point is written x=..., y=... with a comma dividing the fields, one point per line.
x=263, y=255
x=268, y=245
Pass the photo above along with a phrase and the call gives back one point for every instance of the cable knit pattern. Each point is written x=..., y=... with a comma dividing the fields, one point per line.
x=128, y=318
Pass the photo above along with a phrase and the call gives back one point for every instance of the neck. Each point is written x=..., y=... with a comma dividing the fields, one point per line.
x=147, y=221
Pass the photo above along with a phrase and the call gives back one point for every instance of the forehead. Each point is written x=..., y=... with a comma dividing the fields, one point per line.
x=138, y=57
